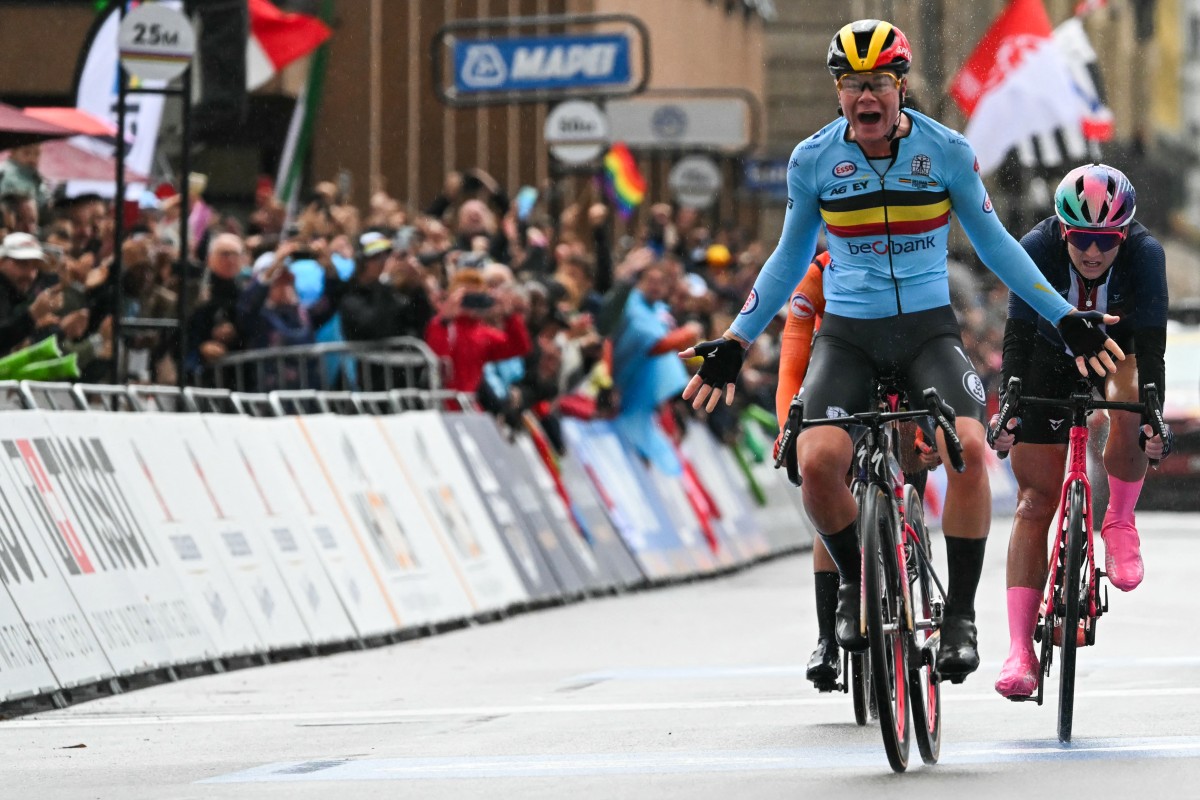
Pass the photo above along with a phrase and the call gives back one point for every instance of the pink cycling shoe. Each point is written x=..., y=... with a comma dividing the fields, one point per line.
x=1122, y=553
x=1019, y=676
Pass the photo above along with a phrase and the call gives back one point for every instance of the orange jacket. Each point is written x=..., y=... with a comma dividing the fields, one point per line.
x=805, y=308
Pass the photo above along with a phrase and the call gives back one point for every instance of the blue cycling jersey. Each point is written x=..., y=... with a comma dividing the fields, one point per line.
x=887, y=221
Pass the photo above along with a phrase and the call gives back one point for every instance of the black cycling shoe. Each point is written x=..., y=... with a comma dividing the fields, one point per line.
x=849, y=634
x=958, y=650
x=823, y=666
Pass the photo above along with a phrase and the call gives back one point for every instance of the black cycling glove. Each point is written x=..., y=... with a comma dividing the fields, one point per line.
x=1168, y=437
x=1081, y=333
x=722, y=361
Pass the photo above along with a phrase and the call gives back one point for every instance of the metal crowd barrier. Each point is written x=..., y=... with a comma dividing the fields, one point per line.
x=55, y=396
x=398, y=363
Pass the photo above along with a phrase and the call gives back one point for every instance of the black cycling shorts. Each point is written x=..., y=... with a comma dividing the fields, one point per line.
x=920, y=350
x=1052, y=373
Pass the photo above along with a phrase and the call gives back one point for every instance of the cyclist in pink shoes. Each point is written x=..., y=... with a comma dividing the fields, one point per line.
x=1099, y=259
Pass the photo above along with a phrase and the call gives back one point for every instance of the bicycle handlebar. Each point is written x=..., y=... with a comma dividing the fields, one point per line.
x=935, y=407
x=1012, y=401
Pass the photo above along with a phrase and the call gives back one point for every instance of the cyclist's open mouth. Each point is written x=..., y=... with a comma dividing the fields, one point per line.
x=869, y=117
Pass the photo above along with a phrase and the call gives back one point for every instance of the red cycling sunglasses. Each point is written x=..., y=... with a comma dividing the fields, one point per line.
x=1084, y=238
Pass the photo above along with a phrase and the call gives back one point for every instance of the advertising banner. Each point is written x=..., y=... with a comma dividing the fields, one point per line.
x=721, y=481
x=254, y=482
x=532, y=546
x=288, y=476
x=391, y=522
x=593, y=512
x=23, y=669
x=519, y=64
x=422, y=448
x=99, y=543
x=180, y=453
x=188, y=550
x=636, y=512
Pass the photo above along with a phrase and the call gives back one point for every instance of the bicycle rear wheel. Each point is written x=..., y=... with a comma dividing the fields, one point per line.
x=1074, y=596
x=926, y=692
x=886, y=624
x=859, y=674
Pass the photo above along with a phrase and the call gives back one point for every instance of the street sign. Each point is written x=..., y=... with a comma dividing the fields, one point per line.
x=156, y=42
x=541, y=63
x=695, y=181
x=576, y=131
x=765, y=176
x=682, y=123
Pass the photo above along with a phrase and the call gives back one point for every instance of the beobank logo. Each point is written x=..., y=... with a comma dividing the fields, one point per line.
x=880, y=247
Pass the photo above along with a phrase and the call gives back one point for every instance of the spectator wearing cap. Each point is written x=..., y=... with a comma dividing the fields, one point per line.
x=386, y=298
x=463, y=338
x=22, y=312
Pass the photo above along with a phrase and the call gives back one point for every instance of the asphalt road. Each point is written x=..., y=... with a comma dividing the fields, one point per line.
x=691, y=692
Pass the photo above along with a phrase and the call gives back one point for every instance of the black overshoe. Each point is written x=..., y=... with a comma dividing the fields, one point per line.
x=958, y=650
x=849, y=633
x=823, y=666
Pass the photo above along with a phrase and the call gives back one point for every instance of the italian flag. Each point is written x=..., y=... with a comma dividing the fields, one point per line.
x=277, y=38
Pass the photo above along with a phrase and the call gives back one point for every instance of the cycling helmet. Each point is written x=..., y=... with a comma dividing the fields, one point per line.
x=1095, y=196
x=866, y=46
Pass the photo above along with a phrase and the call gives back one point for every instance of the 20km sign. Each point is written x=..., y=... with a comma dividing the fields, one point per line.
x=156, y=42
x=576, y=131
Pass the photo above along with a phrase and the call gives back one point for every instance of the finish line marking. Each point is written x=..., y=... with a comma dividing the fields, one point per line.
x=699, y=761
x=80, y=721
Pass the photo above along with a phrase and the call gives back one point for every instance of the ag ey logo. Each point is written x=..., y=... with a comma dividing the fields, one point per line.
x=484, y=67
x=802, y=307
x=845, y=168
x=751, y=302
x=973, y=384
x=921, y=165
x=987, y=204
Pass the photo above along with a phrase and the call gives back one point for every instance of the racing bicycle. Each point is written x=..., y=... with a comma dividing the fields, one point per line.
x=1074, y=600
x=903, y=598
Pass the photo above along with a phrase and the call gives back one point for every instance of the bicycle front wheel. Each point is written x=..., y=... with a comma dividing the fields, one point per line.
x=926, y=692
x=859, y=673
x=1074, y=595
x=883, y=600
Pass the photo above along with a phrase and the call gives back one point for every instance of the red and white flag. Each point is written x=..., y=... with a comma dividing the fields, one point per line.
x=277, y=38
x=1016, y=84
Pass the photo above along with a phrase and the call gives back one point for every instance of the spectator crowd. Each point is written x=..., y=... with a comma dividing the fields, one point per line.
x=524, y=310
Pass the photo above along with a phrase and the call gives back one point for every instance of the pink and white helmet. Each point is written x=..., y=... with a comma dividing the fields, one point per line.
x=1095, y=196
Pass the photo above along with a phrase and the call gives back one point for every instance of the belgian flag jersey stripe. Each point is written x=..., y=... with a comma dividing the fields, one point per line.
x=906, y=213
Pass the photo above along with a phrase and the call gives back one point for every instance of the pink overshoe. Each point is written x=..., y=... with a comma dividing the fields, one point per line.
x=1019, y=676
x=1122, y=554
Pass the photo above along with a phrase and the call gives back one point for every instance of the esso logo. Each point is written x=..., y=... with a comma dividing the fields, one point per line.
x=987, y=204
x=844, y=169
x=751, y=302
x=802, y=307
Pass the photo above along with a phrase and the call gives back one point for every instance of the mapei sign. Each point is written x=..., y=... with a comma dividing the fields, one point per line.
x=538, y=64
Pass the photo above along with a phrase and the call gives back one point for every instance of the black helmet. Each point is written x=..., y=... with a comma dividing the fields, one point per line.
x=866, y=46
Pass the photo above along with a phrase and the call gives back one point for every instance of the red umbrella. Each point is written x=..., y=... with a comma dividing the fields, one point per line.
x=18, y=128
x=75, y=119
x=63, y=161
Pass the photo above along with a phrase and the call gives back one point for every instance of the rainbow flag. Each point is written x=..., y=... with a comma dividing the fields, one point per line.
x=623, y=183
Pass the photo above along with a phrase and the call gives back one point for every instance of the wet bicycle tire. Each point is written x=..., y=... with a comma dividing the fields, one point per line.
x=859, y=674
x=883, y=600
x=923, y=688
x=1074, y=592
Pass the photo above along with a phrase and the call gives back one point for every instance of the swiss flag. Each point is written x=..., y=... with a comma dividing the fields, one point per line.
x=1016, y=84
x=277, y=38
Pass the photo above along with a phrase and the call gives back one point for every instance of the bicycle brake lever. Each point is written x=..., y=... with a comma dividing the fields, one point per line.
x=943, y=413
x=787, y=443
x=1153, y=415
x=1012, y=398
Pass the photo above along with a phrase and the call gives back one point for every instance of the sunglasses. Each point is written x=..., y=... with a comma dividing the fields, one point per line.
x=1084, y=238
x=880, y=83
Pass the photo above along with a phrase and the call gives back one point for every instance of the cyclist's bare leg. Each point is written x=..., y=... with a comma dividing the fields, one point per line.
x=1038, y=469
x=1126, y=466
x=823, y=455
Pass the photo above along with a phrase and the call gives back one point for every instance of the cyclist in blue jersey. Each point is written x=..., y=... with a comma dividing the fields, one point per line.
x=883, y=181
x=1094, y=254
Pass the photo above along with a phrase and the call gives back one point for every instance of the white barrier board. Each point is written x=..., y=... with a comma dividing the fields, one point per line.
x=177, y=451
x=403, y=538
x=141, y=618
x=718, y=474
x=422, y=449
x=34, y=581
x=23, y=669
x=272, y=462
x=239, y=483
